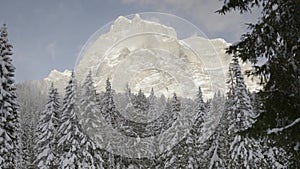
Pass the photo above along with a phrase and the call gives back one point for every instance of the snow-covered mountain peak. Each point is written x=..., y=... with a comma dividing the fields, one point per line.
x=220, y=41
x=137, y=25
x=119, y=23
x=136, y=18
x=147, y=54
x=56, y=75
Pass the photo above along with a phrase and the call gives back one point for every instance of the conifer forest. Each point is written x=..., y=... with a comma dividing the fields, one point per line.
x=74, y=125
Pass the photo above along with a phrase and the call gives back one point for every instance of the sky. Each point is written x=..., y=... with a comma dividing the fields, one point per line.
x=49, y=34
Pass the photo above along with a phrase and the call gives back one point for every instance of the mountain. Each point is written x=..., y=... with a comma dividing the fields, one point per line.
x=142, y=54
x=146, y=54
x=55, y=75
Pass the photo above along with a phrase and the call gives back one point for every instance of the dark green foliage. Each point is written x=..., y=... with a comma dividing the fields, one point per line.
x=273, y=47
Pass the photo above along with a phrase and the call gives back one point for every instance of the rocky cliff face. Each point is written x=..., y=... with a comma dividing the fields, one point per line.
x=146, y=54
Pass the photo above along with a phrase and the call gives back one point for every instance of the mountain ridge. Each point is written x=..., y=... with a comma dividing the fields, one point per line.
x=146, y=54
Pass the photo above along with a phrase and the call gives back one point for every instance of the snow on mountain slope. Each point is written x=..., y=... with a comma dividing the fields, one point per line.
x=144, y=55
x=147, y=54
x=56, y=75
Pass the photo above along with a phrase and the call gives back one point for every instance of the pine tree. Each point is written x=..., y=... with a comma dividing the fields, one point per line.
x=140, y=102
x=212, y=152
x=201, y=113
x=238, y=107
x=108, y=105
x=89, y=119
x=216, y=153
x=239, y=116
x=274, y=39
x=9, y=117
x=141, y=106
x=193, y=144
x=153, y=109
x=27, y=152
x=175, y=106
x=47, y=128
x=77, y=150
x=217, y=104
x=175, y=113
x=151, y=96
x=174, y=157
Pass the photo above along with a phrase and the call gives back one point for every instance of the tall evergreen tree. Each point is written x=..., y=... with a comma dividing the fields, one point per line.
x=77, y=150
x=108, y=105
x=9, y=117
x=215, y=155
x=47, y=128
x=201, y=113
x=239, y=116
x=89, y=108
x=153, y=109
x=193, y=143
x=238, y=107
x=175, y=105
x=141, y=106
x=274, y=39
x=173, y=158
x=140, y=102
x=27, y=152
x=211, y=153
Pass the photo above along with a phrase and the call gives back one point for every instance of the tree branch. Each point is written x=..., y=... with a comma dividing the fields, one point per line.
x=277, y=130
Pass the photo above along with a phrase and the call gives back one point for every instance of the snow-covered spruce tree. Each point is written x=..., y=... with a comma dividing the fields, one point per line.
x=200, y=106
x=108, y=105
x=76, y=149
x=244, y=152
x=27, y=152
x=141, y=106
x=212, y=152
x=217, y=104
x=201, y=113
x=192, y=141
x=173, y=158
x=89, y=108
x=175, y=106
x=152, y=96
x=153, y=109
x=216, y=152
x=275, y=39
x=9, y=117
x=46, y=156
x=140, y=102
x=238, y=106
x=31, y=103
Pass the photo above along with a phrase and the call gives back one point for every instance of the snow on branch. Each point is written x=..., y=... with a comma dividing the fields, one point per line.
x=276, y=130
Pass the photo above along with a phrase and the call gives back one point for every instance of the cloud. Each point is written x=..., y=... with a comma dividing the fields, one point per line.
x=51, y=47
x=202, y=13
